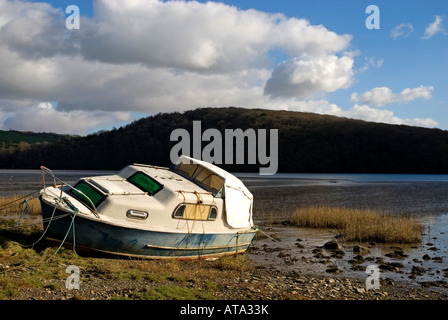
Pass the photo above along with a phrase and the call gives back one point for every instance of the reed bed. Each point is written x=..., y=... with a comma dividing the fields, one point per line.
x=363, y=225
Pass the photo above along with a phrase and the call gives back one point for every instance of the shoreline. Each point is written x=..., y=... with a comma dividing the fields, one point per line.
x=342, y=274
x=290, y=269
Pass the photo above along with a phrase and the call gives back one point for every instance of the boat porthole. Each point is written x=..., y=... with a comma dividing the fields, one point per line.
x=135, y=214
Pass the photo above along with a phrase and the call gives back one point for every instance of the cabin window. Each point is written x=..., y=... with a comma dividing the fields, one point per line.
x=179, y=212
x=88, y=192
x=213, y=213
x=195, y=212
x=145, y=183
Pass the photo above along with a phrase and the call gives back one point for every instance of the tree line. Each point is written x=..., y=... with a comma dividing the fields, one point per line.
x=306, y=143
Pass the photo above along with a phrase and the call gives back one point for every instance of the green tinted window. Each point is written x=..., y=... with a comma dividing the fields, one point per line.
x=87, y=191
x=145, y=183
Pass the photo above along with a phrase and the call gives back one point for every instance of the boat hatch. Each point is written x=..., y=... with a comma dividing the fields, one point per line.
x=88, y=192
x=145, y=183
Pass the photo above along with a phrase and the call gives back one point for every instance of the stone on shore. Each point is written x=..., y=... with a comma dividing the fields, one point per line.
x=360, y=250
x=332, y=245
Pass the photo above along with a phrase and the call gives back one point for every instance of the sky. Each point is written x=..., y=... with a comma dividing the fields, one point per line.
x=127, y=59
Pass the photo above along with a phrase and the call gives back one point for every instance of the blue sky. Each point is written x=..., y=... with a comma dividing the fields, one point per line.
x=408, y=62
x=136, y=58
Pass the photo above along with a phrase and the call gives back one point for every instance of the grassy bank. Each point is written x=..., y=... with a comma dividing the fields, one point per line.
x=42, y=274
x=360, y=225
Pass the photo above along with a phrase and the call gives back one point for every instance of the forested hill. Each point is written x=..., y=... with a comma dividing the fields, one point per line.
x=11, y=140
x=306, y=143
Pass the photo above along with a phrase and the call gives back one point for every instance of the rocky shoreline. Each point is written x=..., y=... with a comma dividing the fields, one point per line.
x=277, y=274
x=333, y=271
x=261, y=284
x=298, y=265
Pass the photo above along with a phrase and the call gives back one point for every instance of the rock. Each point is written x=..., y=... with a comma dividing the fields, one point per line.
x=360, y=290
x=391, y=266
x=433, y=249
x=320, y=255
x=397, y=254
x=359, y=268
x=282, y=254
x=437, y=283
x=417, y=271
x=361, y=250
x=332, y=245
x=339, y=254
x=333, y=269
x=396, y=264
x=426, y=257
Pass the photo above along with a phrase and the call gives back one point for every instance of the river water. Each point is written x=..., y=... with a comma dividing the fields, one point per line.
x=423, y=196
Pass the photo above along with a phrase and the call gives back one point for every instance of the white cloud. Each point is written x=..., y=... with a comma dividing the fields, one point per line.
x=306, y=77
x=364, y=112
x=381, y=96
x=151, y=56
x=402, y=30
x=42, y=117
x=434, y=28
x=204, y=37
x=370, y=62
x=361, y=112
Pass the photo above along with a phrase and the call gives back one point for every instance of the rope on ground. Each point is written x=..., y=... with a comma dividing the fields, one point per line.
x=258, y=228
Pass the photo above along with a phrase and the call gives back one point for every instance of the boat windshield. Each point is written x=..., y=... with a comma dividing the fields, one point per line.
x=88, y=192
x=202, y=175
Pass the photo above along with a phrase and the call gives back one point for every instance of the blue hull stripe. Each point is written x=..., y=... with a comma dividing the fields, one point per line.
x=103, y=237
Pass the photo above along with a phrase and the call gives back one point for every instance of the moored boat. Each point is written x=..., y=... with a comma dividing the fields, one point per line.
x=192, y=210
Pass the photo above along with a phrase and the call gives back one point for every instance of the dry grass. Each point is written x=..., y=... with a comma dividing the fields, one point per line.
x=360, y=225
x=12, y=205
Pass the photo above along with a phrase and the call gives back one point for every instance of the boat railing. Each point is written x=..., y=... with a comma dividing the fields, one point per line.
x=47, y=170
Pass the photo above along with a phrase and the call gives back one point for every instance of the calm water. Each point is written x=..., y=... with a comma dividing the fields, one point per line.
x=394, y=193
